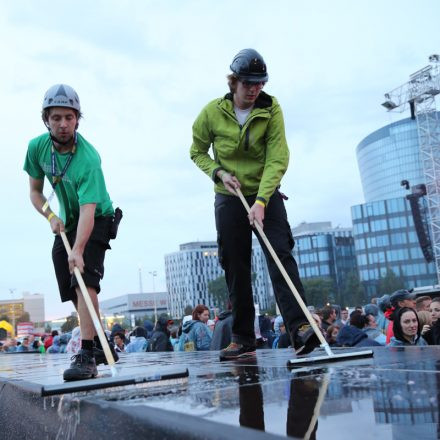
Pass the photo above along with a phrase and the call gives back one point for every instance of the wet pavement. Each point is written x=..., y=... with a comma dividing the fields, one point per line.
x=391, y=396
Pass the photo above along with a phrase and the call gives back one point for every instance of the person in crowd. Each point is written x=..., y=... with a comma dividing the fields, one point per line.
x=266, y=332
x=174, y=337
x=138, y=341
x=282, y=340
x=160, y=338
x=343, y=319
x=371, y=309
x=352, y=336
x=149, y=327
x=221, y=337
x=74, y=344
x=48, y=341
x=370, y=328
x=119, y=341
x=24, y=345
x=383, y=303
x=116, y=328
x=10, y=346
x=328, y=317
x=434, y=308
x=332, y=334
x=196, y=335
x=425, y=321
x=55, y=347
x=211, y=324
x=423, y=303
x=406, y=329
x=400, y=298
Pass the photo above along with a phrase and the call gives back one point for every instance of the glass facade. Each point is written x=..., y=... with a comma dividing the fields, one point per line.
x=388, y=156
x=328, y=254
x=385, y=238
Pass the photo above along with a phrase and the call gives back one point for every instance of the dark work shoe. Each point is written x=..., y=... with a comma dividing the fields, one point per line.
x=99, y=354
x=236, y=351
x=306, y=339
x=83, y=366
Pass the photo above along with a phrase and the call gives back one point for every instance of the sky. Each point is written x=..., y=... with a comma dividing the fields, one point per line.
x=144, y=70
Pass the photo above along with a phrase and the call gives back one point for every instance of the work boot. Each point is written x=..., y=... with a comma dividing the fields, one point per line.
x=99, y=354
x=305, y=339
x=83, y=366
x=236, y=351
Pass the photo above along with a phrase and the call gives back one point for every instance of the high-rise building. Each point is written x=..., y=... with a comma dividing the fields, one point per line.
x=322, y=251
x=383, y=227
x=195, y=265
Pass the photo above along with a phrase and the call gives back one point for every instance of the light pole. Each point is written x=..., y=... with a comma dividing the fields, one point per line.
x=153, y=273
x=11, y=290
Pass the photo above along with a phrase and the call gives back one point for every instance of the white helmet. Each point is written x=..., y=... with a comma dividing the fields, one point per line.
x=61, y=95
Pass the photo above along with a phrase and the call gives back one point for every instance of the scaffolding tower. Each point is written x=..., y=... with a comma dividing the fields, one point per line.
x=419, y=95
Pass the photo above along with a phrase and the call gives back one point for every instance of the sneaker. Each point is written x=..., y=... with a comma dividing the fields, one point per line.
x=83, y=366
x=99, y=354
x=305, y=339
x=235, y=351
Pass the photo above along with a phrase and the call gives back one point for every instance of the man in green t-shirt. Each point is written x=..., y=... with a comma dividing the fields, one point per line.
x=73, y=167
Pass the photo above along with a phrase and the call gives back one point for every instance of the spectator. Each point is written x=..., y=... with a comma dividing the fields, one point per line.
x=434, y=308
x=222, y=334
x=74, y=344
x=343, y=320
x=196, y=335
x=48, y=341
x=160, y=339
x=383, y=304
x=372, y=331
x=174, y=337
x=24, y=345
x=400, y=298
x=351, y=336
x=149, y=327
x=10, y=346
x=371, y=309
x=119, y=341
x=117, y=328
x=425, y=321
x=138, y=341
x=211, y=324
x=406, y=329
x=328, y=317
x=332, y=334
x=423, y=303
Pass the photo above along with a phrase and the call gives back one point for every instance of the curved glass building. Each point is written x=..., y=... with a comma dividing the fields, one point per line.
x=386, y=157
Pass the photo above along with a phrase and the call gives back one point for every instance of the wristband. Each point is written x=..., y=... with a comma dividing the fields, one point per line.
x=50, y=216
x=260, y=202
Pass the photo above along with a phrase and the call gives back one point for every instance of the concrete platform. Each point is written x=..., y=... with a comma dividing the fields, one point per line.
x=394, y=395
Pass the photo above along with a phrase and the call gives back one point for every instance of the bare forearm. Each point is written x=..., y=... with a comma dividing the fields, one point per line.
x=85, y=226
x=38, y=200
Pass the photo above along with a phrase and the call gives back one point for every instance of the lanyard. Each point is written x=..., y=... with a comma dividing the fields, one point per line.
x=56, y=178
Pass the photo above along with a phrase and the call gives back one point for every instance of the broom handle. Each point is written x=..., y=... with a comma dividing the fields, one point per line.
x=286, y=277
x=90, y=307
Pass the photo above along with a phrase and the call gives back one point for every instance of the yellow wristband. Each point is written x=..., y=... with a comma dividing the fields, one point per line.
x=260, y=202
x=50, y=216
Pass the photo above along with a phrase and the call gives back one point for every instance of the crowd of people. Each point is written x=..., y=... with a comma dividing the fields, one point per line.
x=399, y=319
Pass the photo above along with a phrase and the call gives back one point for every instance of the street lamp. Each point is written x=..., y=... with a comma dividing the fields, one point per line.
x=154, y=274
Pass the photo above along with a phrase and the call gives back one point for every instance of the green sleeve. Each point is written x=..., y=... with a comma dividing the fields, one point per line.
x=201, y=144
x=277, y=155
x=31, y=164
x=91, y=187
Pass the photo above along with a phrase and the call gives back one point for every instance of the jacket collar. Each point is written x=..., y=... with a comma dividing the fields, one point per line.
x=263, y=101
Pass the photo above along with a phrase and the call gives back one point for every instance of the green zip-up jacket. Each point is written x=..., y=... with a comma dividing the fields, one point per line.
x=256, y=153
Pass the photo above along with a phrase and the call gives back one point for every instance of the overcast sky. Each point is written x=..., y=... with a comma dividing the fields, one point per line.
x=144, y=70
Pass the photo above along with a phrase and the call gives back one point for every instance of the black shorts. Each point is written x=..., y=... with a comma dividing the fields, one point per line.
x=94, y=254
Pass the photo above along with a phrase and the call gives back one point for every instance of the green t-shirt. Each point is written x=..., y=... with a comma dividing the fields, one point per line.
x=83, y=182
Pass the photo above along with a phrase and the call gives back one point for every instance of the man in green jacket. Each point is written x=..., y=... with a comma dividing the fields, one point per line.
x=245, y=129
x=73, y=167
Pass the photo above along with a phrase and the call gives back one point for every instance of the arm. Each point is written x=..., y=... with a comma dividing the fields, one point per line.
x=84, y=230
x=38, y=200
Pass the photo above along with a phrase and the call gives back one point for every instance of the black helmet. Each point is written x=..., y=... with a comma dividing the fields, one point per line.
x=248, y=65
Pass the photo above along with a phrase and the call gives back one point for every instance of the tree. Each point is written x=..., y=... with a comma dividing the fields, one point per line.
x=319, y=291
x=47, y=328
x=23, y=318
x=70, y=324
x=219, y=292
x=353, y=292
x=389, y=283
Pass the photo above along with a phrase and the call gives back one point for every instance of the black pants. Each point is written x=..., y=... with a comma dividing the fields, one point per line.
x=234, y=236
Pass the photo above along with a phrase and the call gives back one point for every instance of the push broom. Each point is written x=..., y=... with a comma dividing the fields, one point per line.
x=329, y=356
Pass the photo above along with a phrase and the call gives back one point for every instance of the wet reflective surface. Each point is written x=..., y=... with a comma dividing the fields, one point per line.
x=391, y=396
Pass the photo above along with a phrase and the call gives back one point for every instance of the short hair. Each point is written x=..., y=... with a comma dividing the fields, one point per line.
x=436, y=299
x=45, y=113
x=232, y=82
x=198, y=309
x=358, y=320
x=420, y=300
x=326, y=312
